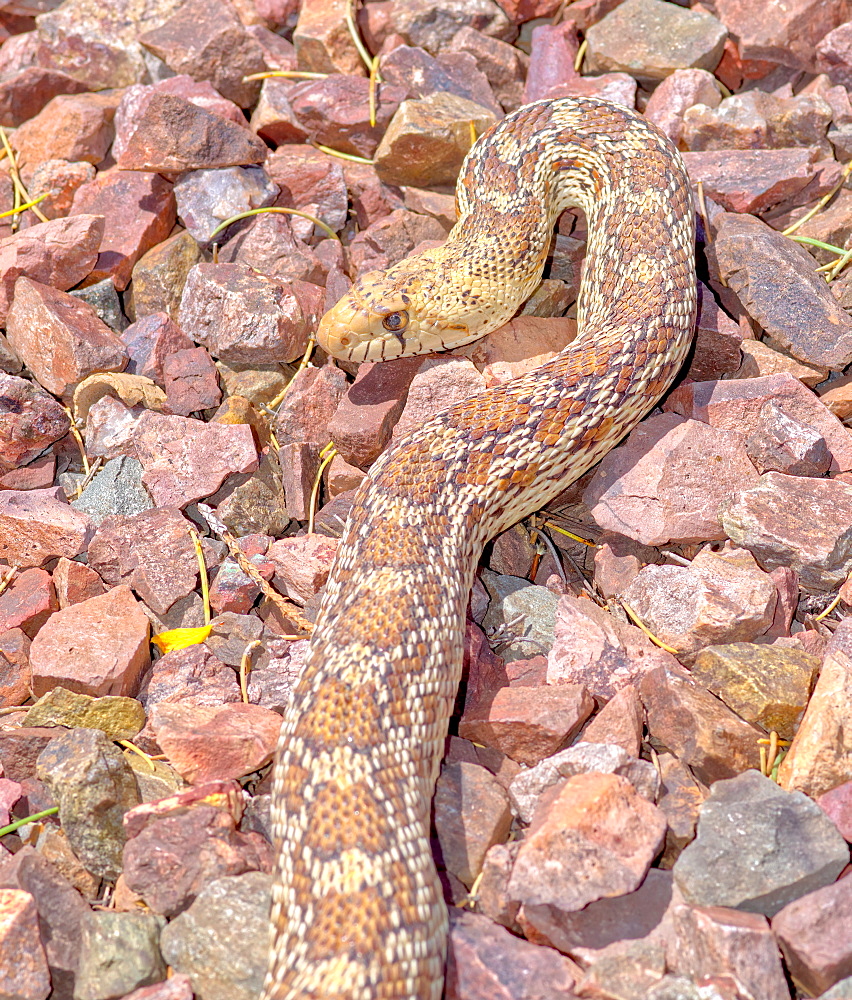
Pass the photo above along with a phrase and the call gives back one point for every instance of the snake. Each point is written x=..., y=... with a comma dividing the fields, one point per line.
x=357, y=907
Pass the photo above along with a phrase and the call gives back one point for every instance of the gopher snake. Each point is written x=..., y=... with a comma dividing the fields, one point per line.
x=357, y=907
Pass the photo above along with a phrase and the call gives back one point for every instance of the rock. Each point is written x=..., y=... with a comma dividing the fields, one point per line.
x=322, y=40
x=222, y=741
x=531, y=786
x=678, y=92
x=696, y=727
x=814, y=933
x=166, y=133
x=302, y=564
x=103, y=298
x=28, y=602
x=190, y=381
x=419, y=24
x=502, y=64
x=619, y=723
x=800, y=314
x=158, y=279
x=177, y=987
x=209, y=42
x=768, y=686
x=268, y=245
x=35, y=526
x=521, y=614
x=61, y=912
x=781, y=444
x=15, y=673
x=74, y=127
x=738, y=404
x=93, y=787
x=758, y=359
x=820, y=758
x=116, y=490
x=655, y=486
x=120, y=718
x=836, y=803
x=471, y=815
x=185, y=459
x=23, y=966
x=652, y=39
x=802, y=523
x=720, y=597
x=59, y=253
x=418, y=74
x=243, y=317
x=737, y=860
x=680, y=801
x=59, y=338
x=139, y=212
x=593, y=648
x=174, y=858
x=97, y=647
x=119, y=953
x=438, y=384
x=487, y=961
x=526, y=723
x=59, y=180
x=719, y=942
x=593, y=816
x=312, y=182
x=207, y=197
x=391, y=239
x=427, y=140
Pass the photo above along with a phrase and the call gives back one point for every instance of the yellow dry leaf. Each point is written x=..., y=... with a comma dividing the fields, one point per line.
x=180, y=638
x=130, y=389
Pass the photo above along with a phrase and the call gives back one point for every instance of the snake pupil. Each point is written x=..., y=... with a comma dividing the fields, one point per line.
x=395, y=321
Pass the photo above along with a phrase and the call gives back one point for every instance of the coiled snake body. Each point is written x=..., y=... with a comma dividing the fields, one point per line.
x=357, y=907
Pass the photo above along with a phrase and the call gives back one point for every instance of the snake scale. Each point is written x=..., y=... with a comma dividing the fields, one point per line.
x=358, y=912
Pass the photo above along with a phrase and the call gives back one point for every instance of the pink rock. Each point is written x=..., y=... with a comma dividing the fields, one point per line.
x=151, y=552
x=837, y=805
x=191, y=382
x=185, y=459
x=552, y=54
x=518, y=346
x=59, y=253
x=30, y=420
x=60, y=338
x=392, y=238
x=718, y=342
x=110, y=428
x=528, y=723
x=598, y=829
x=97, y=647
x=683, y=89
x=75, y=582
x=139, y=212
x=15, y=675
x=35, y=525
x=204, y=743
x=23, y=964
x=438, y=383
x=617, y=561
x=28, y=602
x=655, y=487
x=37, y=475
x=311, y=182
x=736, y=404
x=302, y=564
x=620, y=722
x=24, y=94
x=59, y=180
x=149, y=341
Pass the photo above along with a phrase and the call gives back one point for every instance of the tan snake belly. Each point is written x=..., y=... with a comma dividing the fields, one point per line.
x=357, y=907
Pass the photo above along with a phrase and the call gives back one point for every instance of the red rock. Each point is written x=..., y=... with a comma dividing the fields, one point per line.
x=208, y=42
x=149, y=342
x=225, y=796
x=504, y=65
x=75, y=127
x=370, y=199
x=553, y=50
x=191, y=381
x=24, y=94
x=698, y=728
x=322, y=40
x=617, y=561
x=736, y=404
x=202, y=94
x=151, y=552
x=273, y=119
x=169, y=862
x=718, y=941
x=678, y=92
x=97, y=647
x=23, y=965
x=185, y=459
x=28, y=602
x=268, y=245
x=59, y=253
x=164, y=132
x=20, y=749
x=38, y=475
x=15, y=677
x=718, y=343
x=815, y=933
x=30, y=420
x=836, y=803
x=59, y=337
x=655, y=486
x=75, y=582
x=472, y=813
x=139, y=212
x=247, y=318
x=302, y=564
x=313, y=182
x=364, y=420
x=486, y=962
x=35, y=525
x=599, y=832
x=528, y=723
x=620, y=722
x=59, y=180
x=751, y=180
x=208, y=742
x=390, y=239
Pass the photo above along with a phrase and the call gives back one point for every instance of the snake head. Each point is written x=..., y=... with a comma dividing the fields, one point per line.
x=392, y=314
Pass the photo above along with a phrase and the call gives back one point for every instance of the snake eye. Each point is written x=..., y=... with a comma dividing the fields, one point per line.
x=395, y=322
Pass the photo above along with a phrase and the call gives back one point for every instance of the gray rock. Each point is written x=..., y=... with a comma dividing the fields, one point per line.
x=205, y=198
x=231, y=635
x=840, y=991
x=221, y=940
x=119, y=953
x=512, y=598
x=94, y=787
x=103, y=298
x=758, y=847
x=116, y=489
